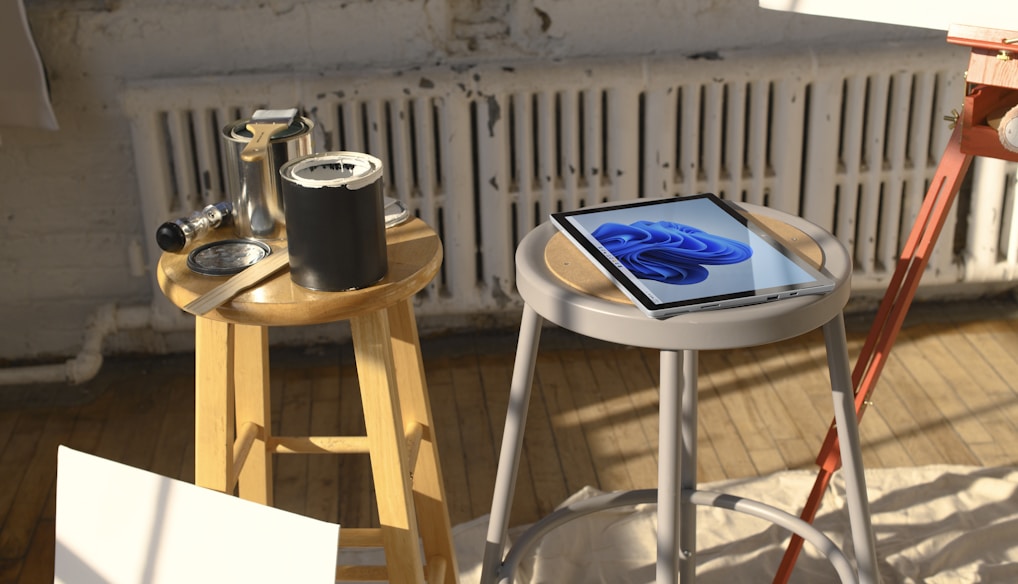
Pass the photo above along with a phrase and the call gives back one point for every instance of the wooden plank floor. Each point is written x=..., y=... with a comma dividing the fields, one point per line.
x=949, y=395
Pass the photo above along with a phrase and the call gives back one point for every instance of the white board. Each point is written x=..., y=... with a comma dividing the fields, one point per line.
x=935, y=14
x=118, y=524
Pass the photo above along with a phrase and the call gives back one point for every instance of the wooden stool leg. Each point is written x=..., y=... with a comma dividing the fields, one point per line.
x=251, y=382
x=387, y=445
x=429, y=487
x=213, y=397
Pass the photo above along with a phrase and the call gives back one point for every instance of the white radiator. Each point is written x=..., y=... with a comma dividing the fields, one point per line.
x=848, y=140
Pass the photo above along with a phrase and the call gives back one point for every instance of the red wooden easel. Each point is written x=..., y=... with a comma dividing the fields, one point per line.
x=991, y=89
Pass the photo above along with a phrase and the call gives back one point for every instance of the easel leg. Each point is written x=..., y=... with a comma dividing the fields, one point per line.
x=890, y=316
x=387, y=444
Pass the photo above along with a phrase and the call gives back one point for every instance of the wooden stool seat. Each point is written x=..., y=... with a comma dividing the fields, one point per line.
x=233, y=438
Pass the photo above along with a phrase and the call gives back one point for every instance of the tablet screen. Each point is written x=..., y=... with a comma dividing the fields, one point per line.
x=681, y=254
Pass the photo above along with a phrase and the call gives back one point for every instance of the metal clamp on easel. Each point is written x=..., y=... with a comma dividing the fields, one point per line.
x=990, y=116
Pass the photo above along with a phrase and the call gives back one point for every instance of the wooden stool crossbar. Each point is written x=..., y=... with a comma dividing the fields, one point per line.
x=234, y=444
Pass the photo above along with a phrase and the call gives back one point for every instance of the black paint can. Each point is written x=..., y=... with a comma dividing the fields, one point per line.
x=335, y=220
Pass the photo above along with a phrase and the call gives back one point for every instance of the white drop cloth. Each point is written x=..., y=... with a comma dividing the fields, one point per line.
x=943, y=524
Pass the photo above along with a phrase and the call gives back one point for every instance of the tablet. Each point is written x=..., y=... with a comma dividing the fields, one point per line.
x=683, y=254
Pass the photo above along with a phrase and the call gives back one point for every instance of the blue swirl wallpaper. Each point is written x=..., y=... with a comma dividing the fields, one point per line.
x=669, y=252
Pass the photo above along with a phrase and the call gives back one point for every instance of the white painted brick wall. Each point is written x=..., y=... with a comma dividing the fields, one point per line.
x=69, y=208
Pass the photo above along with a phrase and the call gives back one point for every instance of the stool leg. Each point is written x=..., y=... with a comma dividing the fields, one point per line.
x=387, y=445
x=676, y=520
x=851, y=451
x=512, y=444
x=253, y=404
x=429, y=489
x=687, y=466
x=669, y=488
x=213, y=401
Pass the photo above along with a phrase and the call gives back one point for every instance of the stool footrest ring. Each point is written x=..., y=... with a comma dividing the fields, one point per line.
x=526, y=541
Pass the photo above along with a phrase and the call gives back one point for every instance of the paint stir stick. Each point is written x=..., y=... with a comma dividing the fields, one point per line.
x=235, y=285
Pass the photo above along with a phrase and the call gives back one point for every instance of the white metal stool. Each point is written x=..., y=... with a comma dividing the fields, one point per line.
x=548, y=296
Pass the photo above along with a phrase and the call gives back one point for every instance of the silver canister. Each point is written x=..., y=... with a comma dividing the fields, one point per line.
x=254, y=186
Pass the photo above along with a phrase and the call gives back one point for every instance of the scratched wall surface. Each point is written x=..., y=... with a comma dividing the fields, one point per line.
x=70, y=221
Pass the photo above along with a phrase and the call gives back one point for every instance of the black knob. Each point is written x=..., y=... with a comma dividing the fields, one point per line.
x=170, y=237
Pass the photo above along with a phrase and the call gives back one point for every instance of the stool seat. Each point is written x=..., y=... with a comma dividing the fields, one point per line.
x=744, y=326
x=414, y=257
x=234, y=444
x=548, y=296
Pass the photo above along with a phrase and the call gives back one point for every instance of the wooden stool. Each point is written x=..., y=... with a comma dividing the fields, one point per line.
x=233, y=438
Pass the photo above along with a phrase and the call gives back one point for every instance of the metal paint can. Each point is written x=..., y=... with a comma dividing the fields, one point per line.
x=335, y=220
x=254, y=187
